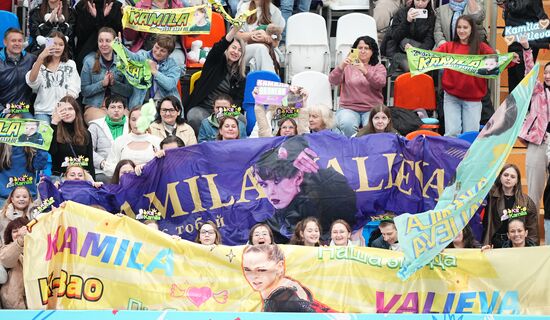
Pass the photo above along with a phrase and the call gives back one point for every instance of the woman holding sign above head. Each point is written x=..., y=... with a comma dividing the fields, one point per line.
x=146, y=41
x=361, y=77
x=463, y=93
x=504, y=202
x=223, y=72
x=100, y=78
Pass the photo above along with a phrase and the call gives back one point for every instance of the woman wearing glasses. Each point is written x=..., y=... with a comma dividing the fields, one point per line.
x=169, y=121
x=260, y=234
x=208, y=234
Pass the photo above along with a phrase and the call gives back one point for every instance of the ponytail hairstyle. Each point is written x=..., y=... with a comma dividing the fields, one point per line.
x=97, y=66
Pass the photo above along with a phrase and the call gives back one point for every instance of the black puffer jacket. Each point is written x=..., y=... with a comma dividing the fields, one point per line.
x=13, y=87
x=420, y=31
x=39, y=27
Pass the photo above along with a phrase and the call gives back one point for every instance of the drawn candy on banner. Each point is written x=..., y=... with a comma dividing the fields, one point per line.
x=423, y=235
x=138, y=73
x=482, y=66
x=180, y=21
x=533, y=30
x=81, y=258
x=25, y=133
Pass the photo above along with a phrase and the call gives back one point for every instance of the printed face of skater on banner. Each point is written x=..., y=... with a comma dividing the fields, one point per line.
x=138, y=73
x=238, y=21
x=532, y=30
x=192, y=20
x=237, y=184
x=482, y=66
x=25, y=133
x=423, y=235
x=82, y=258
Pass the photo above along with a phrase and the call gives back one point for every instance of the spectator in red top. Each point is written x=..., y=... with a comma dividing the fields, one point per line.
x=463, y=93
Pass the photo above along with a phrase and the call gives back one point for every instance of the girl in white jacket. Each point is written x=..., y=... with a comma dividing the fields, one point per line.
x=52, y=77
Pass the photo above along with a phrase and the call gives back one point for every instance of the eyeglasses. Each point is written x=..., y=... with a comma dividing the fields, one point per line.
x=207, y=232
x=263, y=234
x=168, y=110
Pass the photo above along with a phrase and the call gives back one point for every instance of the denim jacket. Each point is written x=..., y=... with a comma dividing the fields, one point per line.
x=93, y=91
x=166, y=80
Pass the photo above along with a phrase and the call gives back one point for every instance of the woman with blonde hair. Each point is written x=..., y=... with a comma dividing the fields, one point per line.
x=321, y=118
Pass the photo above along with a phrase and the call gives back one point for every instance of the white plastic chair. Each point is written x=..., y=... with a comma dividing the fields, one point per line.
x=350, y=27
x=317, y=86
x=345, y=6
x=306, y=44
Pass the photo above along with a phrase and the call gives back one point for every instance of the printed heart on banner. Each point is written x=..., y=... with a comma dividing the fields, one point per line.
x=544, y=23
x=509, y=39
x=199, y=296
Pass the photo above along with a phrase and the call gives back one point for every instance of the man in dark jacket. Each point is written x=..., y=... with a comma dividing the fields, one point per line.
x=388, y=240
x=14, y=64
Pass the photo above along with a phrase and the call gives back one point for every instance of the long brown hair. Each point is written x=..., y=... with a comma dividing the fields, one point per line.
x=80, y=135
x=6, y=153
x=369, y=128
x=265, y=17
x=218, y=239
x=521, y=198
x=65, y=55
x=297, y=237
x=473, y=39
x=97, y=66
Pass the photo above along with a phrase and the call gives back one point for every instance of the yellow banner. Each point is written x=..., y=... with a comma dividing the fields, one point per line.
x=192, y=20
x=79, y=257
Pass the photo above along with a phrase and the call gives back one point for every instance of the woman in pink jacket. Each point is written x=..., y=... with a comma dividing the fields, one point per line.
x=362, y=82
x=535, y=133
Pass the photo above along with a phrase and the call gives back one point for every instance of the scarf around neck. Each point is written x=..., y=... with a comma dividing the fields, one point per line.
x=116, y=128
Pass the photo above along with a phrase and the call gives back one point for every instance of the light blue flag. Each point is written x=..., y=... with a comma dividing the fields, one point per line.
x=422, y=236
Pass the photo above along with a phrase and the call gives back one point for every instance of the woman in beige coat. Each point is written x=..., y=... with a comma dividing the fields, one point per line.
x=12, y=293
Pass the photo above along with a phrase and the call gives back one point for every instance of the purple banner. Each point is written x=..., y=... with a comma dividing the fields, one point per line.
x=239, y=183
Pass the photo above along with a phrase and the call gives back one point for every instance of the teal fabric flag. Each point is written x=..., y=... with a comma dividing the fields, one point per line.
x=424, y=235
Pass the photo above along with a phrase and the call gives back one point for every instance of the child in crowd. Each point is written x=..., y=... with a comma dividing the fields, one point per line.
x=463, y=93
x=307, y=233
x=208, y=234
x=380, y=121
x=52, y=77
x=12, y=293
x=340, y=233
x=210, y=125
x=17, y=205
x=260, y=233
x=361, y=84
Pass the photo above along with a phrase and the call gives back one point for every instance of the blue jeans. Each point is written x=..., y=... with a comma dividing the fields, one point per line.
x=547, y=232
x=43, y=117
x=348, y=121
x=287, y=8
x=233, y=5
x=460, y=115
